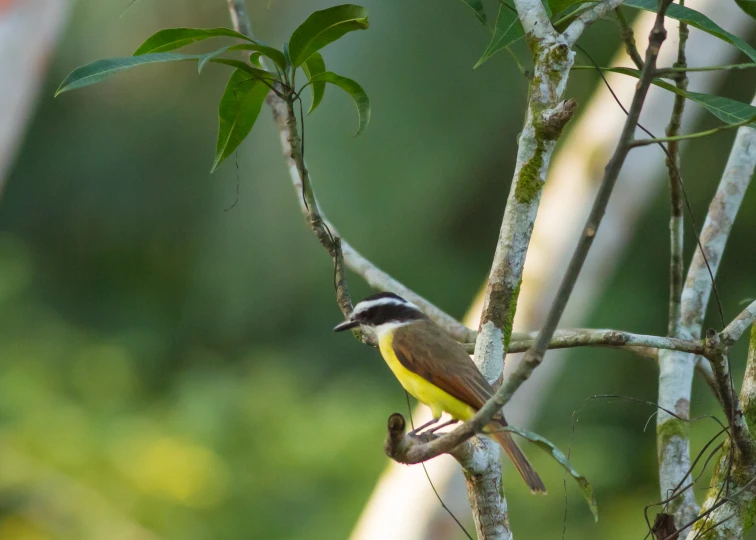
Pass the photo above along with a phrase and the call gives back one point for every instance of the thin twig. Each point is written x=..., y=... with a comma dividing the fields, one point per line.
x=610, y=338
x=576, y=27
x=676, y=223
x=738, y=428
x=697, y=135
x=737, y=327
x=628, y=38
x=673, y=71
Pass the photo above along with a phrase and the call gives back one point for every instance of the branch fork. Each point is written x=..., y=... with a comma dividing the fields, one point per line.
x=411, y=449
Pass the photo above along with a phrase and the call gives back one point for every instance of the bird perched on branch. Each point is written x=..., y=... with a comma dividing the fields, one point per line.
x=434, y=368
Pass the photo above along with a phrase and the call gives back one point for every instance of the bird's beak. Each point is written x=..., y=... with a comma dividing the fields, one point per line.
x=346, y=325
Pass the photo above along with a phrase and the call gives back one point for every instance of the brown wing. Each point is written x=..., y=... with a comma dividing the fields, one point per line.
x=431, y=353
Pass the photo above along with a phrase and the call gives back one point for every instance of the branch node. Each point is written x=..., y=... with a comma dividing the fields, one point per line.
x=553, y=120
x=396, y=425
x=394, y=446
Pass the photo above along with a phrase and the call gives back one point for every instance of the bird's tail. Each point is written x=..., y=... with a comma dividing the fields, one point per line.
x=521, y=463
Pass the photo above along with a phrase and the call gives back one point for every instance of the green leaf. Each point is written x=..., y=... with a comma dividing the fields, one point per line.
x=102, y=69
x=749, y=6
x=171, y=39
x=205, y=58
x=256, y=72
x=286, y=54
x=324, y=27
x=477, y=7
x=274, y=54
x=585, y=488
x=354, y=90
x=728, y=110
x=696, y=20
x=254, y=59
x=508, y=30
x=313, y=66
x=237, y=112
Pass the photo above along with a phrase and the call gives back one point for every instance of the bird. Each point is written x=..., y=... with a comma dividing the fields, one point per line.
x=434, y=368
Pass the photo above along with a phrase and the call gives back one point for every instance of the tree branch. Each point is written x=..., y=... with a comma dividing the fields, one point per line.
x=578, y=26
x=676, y=368
x=628, y=38
x=503, y=270
x=731, y=498
x=239, y=17
x=535, y=21
x=610, y=338
x=535, y=354
x=642, y=345
x=410, y=449
x=352, y=259
x=673, y=71
x=717, y=355
x=736, y=328
x=672, y=161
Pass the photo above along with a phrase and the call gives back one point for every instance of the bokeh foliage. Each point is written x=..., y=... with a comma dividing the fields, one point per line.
x=167, y=368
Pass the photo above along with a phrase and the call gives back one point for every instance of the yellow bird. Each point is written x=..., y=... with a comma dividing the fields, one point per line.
x=434, y=368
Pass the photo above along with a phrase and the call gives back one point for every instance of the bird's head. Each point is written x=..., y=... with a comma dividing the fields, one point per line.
x=381, y=312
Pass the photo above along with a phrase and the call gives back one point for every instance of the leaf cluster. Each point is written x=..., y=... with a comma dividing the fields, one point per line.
x=508, y=30
x=252, y=79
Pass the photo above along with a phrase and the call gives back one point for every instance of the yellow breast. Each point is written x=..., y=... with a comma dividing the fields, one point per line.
x=438, y=400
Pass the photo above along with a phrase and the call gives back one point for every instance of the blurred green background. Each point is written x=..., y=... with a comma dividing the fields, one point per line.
x=167, y=366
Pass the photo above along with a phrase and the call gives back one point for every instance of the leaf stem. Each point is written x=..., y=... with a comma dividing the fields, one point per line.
x=697, y=135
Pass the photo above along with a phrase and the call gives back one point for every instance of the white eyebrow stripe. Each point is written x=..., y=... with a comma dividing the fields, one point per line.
x=366, y=305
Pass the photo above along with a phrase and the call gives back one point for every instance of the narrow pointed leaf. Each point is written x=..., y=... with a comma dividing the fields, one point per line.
x=286, y=54
x=255, y=72
x=477, y=7
x=237, y=112
x=254, y=59
x=728, y=110
x=275, y=55
x=508, y=30
x=271, y=52
x=324, y=27
x=696, y=20
x=585, y=488
x=315, y=65
x=171, y=39
x=205, y=58
x=354, y=90
x=102, y=69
